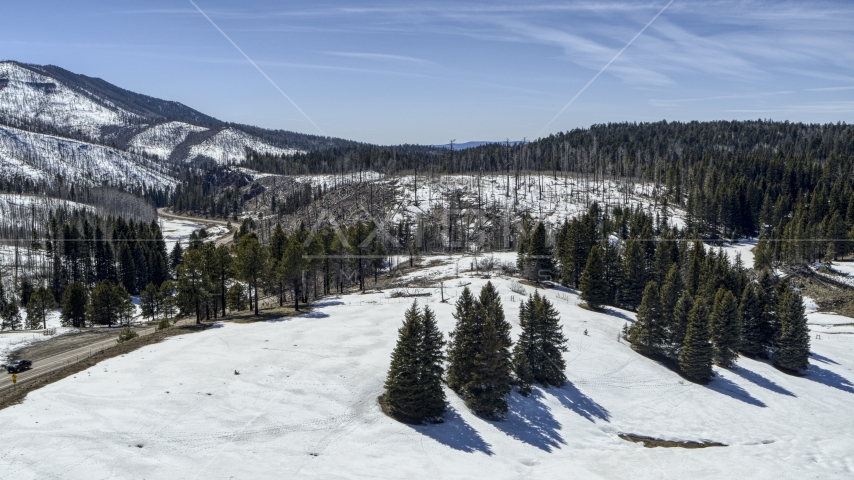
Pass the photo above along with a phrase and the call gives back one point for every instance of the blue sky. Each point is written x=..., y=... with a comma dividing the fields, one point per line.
x=427, y=72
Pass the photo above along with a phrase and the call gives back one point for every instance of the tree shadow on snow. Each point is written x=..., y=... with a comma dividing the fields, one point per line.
x=326, y=303
x=761, y=381
x=831, y=379
x=456, y=433
x=313, y=315
x=822, y=358
x=572, y=398
x=731, y=389
x=529, y=420
x=618, y=314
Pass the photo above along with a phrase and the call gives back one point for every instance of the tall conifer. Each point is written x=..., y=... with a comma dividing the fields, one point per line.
x=725, y=328
x=695, y=357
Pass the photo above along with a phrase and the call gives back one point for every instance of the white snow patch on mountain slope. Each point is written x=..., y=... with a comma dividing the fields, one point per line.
x=38, y=156
x=32, y=96
x=161, y=139
x=231, y=146
x=304, y=404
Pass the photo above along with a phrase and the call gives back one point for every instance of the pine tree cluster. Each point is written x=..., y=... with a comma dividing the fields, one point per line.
x=481, y=366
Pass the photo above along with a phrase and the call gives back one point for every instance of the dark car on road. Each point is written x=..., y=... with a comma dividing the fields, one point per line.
x=18, y=366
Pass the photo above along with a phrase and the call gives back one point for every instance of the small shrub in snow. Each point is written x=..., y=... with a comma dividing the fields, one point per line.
x=126, y=334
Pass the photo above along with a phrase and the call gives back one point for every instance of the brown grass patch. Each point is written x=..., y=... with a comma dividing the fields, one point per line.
x=650, y=442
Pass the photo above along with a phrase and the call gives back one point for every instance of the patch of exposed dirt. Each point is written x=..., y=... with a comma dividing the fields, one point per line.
x=650, y=442
x=829, y=297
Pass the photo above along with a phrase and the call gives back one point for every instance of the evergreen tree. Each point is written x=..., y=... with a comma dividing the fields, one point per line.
x=634, y=275
x=41, y=302
x=149, y=301
x=236, y=298
x=490, y=381
x=176, y=257
x=250, y=262
x=26, y=291
x=464, y=343
x=541, y=343
x=671, y=290
x=679, y=326
x=101, y=309
x=539, y=257
x=292, y=265
x=750, y=312
x=725, y=328
x=792, y=345
x=695, y=357
x=413, y=385
x=11, y=317
x=648, y=334
x=594, y=290
x=522, y=369
x=74, y=301
x=430, y=359
x=3, y=299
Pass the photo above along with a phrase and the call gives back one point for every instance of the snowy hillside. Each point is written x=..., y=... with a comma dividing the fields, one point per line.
x=30, y=97
x=15, y=209
x=231, y=146
x=546, y=198
x=42, y=157
x=304, y=405
x=161, y=140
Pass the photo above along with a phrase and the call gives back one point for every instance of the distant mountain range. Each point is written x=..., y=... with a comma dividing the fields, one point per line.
x=467, y=145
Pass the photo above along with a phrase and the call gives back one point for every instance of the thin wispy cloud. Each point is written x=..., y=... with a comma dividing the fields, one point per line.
x=382, y=57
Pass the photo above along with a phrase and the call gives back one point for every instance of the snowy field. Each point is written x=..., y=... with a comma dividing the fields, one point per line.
x=304, y=405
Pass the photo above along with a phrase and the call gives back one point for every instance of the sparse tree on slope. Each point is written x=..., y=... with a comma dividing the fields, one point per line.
x=792, y=346
x=695, y=358
x=541, y=343
x=41, y=302
x=490, y=381
x=725, y=328
x=594, y=290
x=413, y=385
x=11, y=317
x=402, y=384
x=681, y=314
x=74, y=301
x=647, y=334
x=431, y=358
x=464, y=343
x=750, y=312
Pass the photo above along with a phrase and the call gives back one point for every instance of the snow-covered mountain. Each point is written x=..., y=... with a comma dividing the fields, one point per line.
x=28, y=97
x=40, y=157
x=161, y=140
x=53, y=121
x=231, y=145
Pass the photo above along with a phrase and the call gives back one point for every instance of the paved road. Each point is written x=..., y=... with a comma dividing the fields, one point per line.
x=58, y=361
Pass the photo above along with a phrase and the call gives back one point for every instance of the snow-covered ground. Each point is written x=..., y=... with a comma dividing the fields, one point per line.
x=304, y=405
